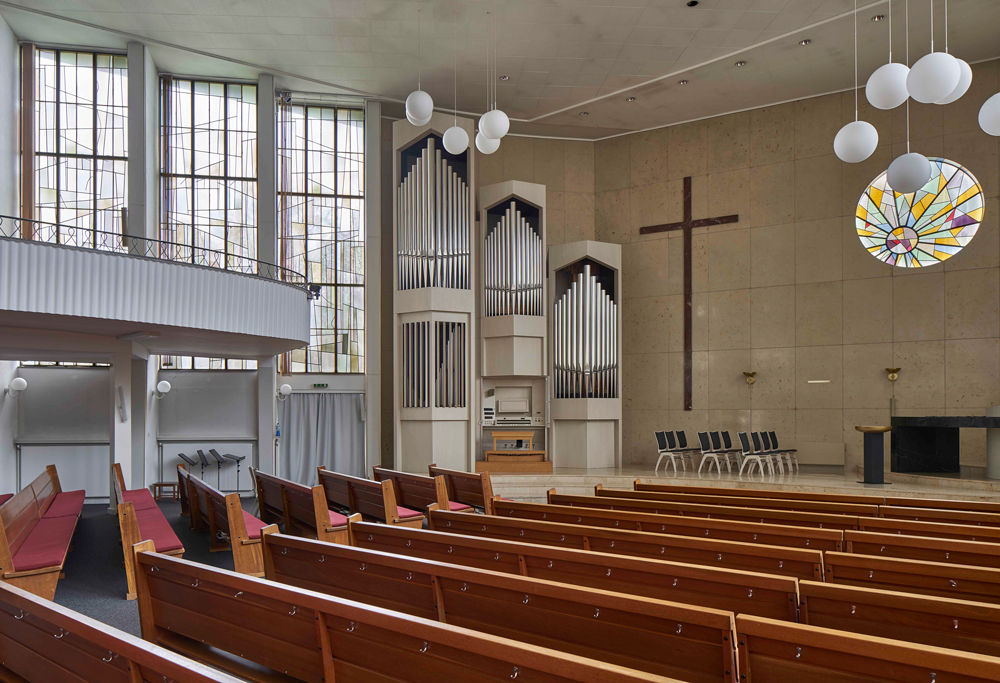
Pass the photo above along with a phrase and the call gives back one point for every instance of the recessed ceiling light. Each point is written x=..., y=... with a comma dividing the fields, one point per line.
x=504, y=78
x=878, y=17
x=692, y=3
x=804, y=42
x=683, y=81
x=630, y=99
x=584, y=113
x=741, y=63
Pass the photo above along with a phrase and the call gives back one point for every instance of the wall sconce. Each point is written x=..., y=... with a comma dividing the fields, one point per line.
x=162, y=389
x=893, y=374
x=750, y=377
x=283, y=391
x=17, y=385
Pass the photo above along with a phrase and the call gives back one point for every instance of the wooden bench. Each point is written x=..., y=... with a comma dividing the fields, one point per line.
x=182, y=490
x=36, y=531
x=944, y=550
x=140, y=519
x=769, y=559
x=823, y=507
x=416, y=491
x=777, y=652
x=906, y=527
x=735, y=513
x=372, y=499
x=988, y=519
x=266, y=632
x=229, y=525
x=300, y=509
x=693, y=644
x=856, y=499
x=725, y=589
x=745, y=532
x=43, y=642
x=942, y=504
x=979, y=584
x=470, y=488
x=942, y=622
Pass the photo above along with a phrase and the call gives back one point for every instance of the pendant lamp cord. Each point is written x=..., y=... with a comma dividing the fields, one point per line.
x=418, y=48
x=906, y=22
x=890, y=31
x=456, y=77
x=946, y=25
x=855, y=60
x=932, y=25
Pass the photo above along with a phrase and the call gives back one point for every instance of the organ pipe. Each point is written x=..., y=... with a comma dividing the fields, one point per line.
x=586, y=340
x=433, y=224
x=513, y=266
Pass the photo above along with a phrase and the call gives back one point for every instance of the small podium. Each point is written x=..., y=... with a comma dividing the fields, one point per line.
x=874, y=453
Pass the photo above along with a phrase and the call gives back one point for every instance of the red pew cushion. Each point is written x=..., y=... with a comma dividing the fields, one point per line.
x=141, y=499
x=253, y=525
x=337, y=519
x=153, y=526
x=66, y=504
x=46, y=545
x=407, y=513
x=4, y=497
x=458, y=507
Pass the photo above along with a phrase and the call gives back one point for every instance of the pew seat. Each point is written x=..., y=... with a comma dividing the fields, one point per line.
x=46, y=545
x=4, y=497
x=141, y=499
x=66, y=504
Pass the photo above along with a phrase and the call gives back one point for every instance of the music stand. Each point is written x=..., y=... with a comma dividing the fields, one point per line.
x=237, y=459
x=191, y=462
x=218, y=466
x=204, y=461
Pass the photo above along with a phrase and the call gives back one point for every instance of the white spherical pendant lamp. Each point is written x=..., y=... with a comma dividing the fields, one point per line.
x=964, y=81
x=855, y=142
x=494, y=124
x=989, y=115
x=419, y=107
x=908, y=173
x=886, y=88
x=456, y=140
x=486, y=145
x=933, y=77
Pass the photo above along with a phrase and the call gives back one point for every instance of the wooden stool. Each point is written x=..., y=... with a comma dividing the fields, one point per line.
x=159, y=487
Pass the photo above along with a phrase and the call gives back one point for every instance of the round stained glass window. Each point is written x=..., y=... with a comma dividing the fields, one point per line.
x=924, y=227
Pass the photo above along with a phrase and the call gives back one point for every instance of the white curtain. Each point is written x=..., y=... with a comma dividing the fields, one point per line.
x=322, y=429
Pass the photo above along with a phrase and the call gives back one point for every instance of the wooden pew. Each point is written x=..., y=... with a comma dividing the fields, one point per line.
x=693, y=644
x=301, y=509
x=4, y=497
x=988, y=519
x=745, y=532
x=856, y=499
x=943, y=504
x=370, y=498
x=222, y=514
x=740, y=514
x=979, y=584
x=468, y=488
x=798, y=562
x=182, y=490
x=36, y=532
x=43, y=642
x=823, y=507
x=948, y=551
x=942, y=622
x=963, y=532
x=725, y=589
x=777, y=652
x=416, y=491
x=269, y=633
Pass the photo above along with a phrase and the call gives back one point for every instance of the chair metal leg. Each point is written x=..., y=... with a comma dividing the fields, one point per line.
x=658, y=461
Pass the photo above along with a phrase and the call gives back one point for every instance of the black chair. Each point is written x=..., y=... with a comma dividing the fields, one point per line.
x=665, y=452
x=789, y=453
x=765, y=454
x=685, y=450
x=707, y=455
x=749, y=456
x=724, y=452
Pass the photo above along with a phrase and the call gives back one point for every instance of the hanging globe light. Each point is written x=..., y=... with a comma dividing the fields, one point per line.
x=494, y=124
x=486, y=145
x=855, y=142
x=419, y=108
x=989, y=115
x=456, y=140
x=886, y=88
x=964, y=81
x=933, y=77
x=908, y=173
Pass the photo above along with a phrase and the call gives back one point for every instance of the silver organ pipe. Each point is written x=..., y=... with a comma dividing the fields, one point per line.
x=512, y=256
x=585, y=329
x=449, y=365
x=433, y=224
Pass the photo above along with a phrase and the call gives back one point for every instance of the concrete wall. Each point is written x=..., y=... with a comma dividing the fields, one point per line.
x=788, y=291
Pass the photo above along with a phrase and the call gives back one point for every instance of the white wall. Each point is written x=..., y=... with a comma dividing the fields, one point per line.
x=8, y=428
x=9, y=145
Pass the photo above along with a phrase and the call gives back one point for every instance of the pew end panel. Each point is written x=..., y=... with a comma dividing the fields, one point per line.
x=247, y=552
x=469, y=488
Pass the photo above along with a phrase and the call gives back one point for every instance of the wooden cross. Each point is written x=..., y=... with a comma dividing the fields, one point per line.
x=686, y=226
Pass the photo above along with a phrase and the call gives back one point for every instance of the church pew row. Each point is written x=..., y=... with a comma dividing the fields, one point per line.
x=986, y=519
x=730, y=590
x=376, y=500
x=979, y=584
x=471, y=488
x=734, y=513
x=418, y=491
x=301, y=509
x=723, y=530
x=230, y=527
x=779, y=652
x=941, y=622
x=962, y=532
x=801, y=563
x=693, y=644
x=947, y=551
x=822, y=507
x=269, y=633
x=42, y=642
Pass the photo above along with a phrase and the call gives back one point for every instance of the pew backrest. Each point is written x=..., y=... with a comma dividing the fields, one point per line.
x=470, y=488
x=364, y=496
x=302, y=509
x=413, y=490
x=669, y=639
x=823, y=507
x=20, y=514
x=725, y=530
x=312, y=637
x=270, y=502
x=943, y=504
x=182, y=488
x=945, y=550
x=778, y=652
x=638, y=485
x=906, y=527
x=990, y=519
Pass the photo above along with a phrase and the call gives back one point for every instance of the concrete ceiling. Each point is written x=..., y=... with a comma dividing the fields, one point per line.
x=560, y=57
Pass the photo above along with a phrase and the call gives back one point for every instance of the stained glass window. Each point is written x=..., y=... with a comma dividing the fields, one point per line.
x=81, y=144
x=321, y=217
x=924, y=227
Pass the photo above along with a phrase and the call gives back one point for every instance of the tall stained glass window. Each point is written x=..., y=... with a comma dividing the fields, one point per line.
x=81, y=144
x=209, y=171
x=321, y=214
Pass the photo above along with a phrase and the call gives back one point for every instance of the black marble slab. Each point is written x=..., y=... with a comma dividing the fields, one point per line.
x=973, y=421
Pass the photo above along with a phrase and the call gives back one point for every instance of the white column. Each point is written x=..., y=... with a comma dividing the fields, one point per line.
x=993, y=446
x=120, y=428
x=266, y=171
x=137, y=418
x=373, y=283
x=143, y=164
x=266, y=413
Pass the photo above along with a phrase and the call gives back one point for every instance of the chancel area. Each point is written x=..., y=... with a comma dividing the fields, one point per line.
x=604, y=341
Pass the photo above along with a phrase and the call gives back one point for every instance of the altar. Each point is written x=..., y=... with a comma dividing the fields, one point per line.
x=931, y=444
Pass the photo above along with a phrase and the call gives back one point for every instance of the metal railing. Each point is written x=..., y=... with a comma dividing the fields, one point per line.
x=12, y=227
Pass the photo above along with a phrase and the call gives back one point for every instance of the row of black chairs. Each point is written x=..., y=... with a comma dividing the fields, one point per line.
x=755, y=449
